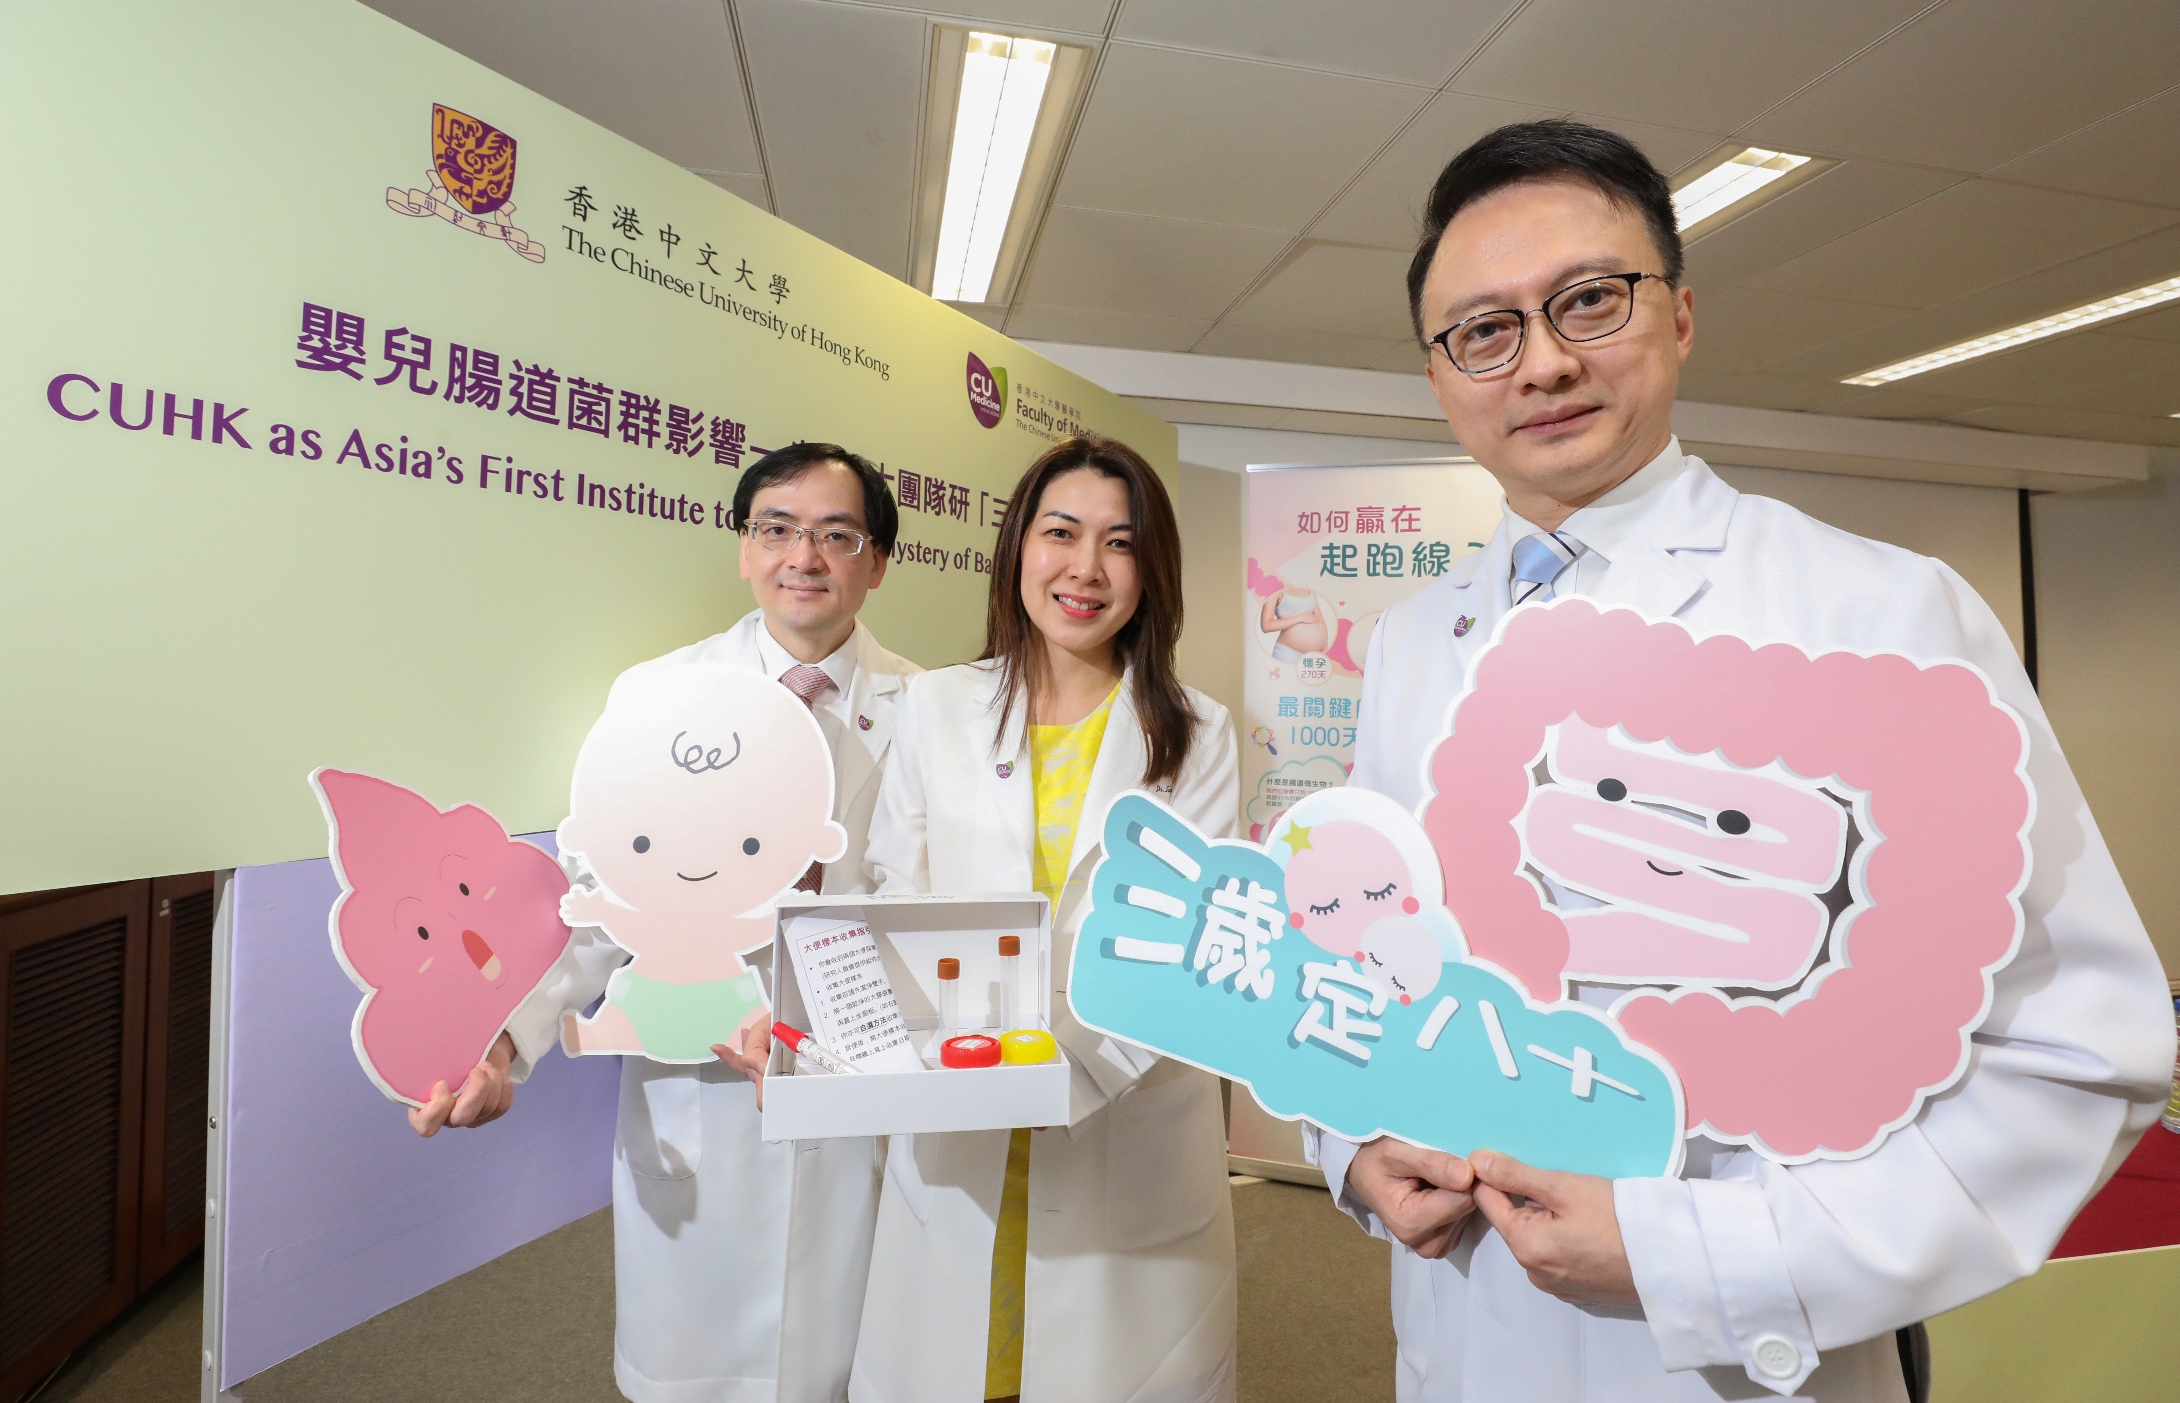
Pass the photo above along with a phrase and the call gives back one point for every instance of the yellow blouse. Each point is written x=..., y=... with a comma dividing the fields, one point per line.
x=1060, y=761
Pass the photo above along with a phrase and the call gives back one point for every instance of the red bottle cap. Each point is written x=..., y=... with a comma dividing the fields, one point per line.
x=969, y=1050
x=949, y=967
x=1010, y=944
x=793, y=1037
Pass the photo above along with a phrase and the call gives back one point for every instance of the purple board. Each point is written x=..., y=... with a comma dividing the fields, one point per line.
x=335, y=1210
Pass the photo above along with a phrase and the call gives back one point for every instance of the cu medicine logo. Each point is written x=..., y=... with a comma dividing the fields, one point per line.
x=987, y=391
x=472, y=179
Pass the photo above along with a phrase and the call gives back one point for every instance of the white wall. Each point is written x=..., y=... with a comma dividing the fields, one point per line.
x=2108, y=636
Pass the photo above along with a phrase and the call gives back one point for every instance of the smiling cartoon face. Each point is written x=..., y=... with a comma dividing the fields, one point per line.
x=1343, y=878
x=448, y=921
x=1706, y=874
x=701, y=793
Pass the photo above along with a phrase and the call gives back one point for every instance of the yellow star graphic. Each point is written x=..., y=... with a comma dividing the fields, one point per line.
x=1296, y=838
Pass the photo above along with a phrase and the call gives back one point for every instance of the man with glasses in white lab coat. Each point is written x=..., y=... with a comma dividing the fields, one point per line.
x=740, y=1265
x=1743, y=1275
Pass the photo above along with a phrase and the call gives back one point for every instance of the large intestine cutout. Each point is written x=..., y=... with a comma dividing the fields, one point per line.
x=1702, y=873
x=1599, y=753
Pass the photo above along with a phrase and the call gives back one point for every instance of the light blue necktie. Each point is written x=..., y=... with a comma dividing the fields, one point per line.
x=1539, y=560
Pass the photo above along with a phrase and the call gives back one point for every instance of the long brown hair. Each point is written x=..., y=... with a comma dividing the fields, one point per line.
x=1146, y=642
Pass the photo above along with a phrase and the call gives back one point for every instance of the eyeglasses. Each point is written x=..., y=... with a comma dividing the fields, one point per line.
x=775, y=534
x=1589, y=310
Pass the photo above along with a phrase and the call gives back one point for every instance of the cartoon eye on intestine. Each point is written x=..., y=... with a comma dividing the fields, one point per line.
x=1620, y=803
x=443, y=921
x=1679, y=868
x=700, y=796
x=1362, y=885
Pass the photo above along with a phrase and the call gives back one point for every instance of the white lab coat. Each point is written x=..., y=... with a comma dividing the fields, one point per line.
x=738, y=1264
x=1130, y=1274
x=1739, y=1252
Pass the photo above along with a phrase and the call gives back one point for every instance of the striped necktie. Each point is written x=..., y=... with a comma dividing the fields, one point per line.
x=808, y=683
x=1539, y=560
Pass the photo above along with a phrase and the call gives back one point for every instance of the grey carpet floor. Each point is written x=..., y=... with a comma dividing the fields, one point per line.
x=537, y=1324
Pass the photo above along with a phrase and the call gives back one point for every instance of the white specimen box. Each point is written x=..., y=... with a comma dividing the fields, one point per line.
x=913, y=933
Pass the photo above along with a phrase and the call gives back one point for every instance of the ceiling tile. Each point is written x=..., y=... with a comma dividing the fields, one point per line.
x=1073, y=16
x=1412, y=41
x=1669, y=148
x=1406, y=358
x=1974, y=235
x=1892, y=402
x=1748, y=328
x=1084, y=326
x=1811, y=215
x=2134, y=155
x=1157, y=267
x=2148, y=259
x=1708, y=65
x=1307, y=347
x=2072, y=423
x=1755, y=389
x=842, y=154
x=661, y=73
x=2067, y=370
x=1975, y=83
x=2160, y=325
x=1193, y=136
x=748, y=187
x=1385, y=206
x=1333, y=287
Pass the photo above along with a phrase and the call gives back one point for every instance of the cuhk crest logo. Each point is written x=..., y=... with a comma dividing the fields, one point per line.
x=987, y=391
x=472, y=180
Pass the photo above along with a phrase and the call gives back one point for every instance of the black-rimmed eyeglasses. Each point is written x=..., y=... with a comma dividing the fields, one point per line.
x=1589, y=310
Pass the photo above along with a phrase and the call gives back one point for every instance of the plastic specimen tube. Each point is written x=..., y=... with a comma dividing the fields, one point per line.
x=949, y=997
x=803, y=1045
x=1010, y=981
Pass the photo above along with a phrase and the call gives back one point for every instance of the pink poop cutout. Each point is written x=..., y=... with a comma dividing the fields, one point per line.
x=1350, y=892
x=1829, y=1070
x=1709, y=875
x=444, y=921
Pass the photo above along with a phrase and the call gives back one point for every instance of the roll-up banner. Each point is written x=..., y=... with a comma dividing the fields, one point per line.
x=361, y=408
x=1330, y=548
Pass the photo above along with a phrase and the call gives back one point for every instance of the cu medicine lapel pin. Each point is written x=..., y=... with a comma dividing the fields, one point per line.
x=863, y=722
x=1462, y=625
x=1006, y=769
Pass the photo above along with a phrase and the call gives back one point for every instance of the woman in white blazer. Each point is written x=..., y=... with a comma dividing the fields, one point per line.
x=1120, y=1287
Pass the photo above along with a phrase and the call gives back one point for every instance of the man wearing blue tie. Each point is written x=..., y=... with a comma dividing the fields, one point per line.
x=1546, y=291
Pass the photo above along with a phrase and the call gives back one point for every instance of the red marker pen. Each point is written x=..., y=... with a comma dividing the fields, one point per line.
x=800, y=1043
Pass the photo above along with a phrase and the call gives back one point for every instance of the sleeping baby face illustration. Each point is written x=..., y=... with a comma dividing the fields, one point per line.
x=1351, y=893
x=700, y=795
x=1701, y=873
x=448, y=921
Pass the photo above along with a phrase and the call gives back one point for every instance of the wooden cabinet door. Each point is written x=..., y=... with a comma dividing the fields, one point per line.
x=178, y=1036
x=72, y=986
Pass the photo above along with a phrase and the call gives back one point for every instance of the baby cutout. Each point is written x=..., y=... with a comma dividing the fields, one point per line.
x=443, y=921
x=700, y=796
x=1705, y=873
x=1719, y=729
x=1353, y=891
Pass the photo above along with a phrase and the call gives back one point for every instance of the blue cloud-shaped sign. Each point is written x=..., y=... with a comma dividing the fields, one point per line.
x=1187, y=950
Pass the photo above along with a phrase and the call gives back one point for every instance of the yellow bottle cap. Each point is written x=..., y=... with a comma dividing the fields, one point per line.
x=1027, y=1045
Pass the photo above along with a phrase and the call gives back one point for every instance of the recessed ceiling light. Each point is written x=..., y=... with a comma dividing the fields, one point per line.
x=995, y=117
x=1733, y=180
x=2057, y=324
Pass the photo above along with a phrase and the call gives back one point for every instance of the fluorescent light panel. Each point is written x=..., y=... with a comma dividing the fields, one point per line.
x=2057, y=324
x=1003, y=83
x=1740, y=179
